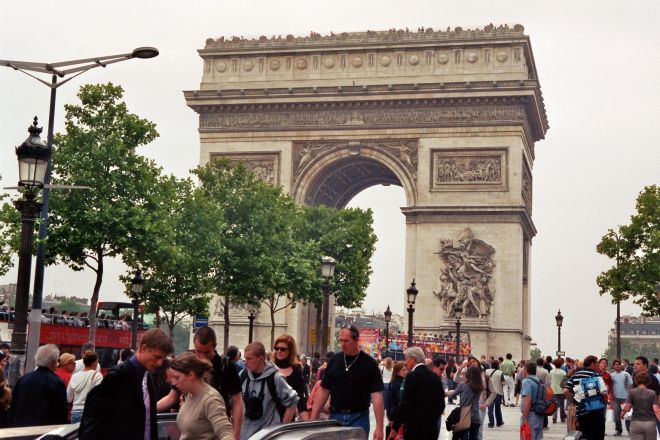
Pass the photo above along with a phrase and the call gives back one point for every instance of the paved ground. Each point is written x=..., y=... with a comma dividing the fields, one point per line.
x=511, y=428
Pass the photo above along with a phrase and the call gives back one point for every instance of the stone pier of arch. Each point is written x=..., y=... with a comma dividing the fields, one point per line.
x=451, y=116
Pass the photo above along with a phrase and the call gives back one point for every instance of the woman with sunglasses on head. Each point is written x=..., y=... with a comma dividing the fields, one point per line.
x=203, y=414
x=284, y=356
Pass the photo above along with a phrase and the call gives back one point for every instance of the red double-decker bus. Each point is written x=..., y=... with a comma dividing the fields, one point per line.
x=70, y=332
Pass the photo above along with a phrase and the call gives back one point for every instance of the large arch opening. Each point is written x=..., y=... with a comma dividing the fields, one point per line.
x=387, y=280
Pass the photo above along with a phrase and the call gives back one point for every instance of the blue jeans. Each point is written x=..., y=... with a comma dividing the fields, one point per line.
x=356, y=419
x=535, y=424
x=495, y=407
x=76, y=415
x=386, y=395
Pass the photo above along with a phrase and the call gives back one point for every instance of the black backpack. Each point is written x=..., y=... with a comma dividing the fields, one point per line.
x=272, y=389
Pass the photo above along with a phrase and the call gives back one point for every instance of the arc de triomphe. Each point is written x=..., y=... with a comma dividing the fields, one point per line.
x=451, y=116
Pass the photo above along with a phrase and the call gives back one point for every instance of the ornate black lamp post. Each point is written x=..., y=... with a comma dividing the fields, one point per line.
x=251, y=327
x=560, y=320
x=458, y=312
x=136, y=296
x=412, y=296
x=33, y=156
x=388, y=318
x=327, y=271
x=57, y=70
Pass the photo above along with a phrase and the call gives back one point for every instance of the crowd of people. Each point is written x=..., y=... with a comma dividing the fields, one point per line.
x=229, y=397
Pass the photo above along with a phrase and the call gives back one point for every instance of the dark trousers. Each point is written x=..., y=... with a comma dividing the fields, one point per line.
x=559, y=398
x=495, y=407
x=592, y=425
x=468, y=434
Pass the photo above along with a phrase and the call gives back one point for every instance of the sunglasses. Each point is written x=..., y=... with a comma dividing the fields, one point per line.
x=281, y=348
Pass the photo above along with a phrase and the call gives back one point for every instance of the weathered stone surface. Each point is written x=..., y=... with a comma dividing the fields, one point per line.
x=451, y=116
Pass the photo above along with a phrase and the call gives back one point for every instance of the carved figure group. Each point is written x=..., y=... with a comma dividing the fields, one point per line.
x=465, y=276
x=472, y=169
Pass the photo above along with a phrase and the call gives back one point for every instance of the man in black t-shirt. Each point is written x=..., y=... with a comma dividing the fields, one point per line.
x=353, y=381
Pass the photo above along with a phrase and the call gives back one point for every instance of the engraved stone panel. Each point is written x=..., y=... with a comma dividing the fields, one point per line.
x=527, y=185
x=266, y=166
x=466, y=276
x=405, y=116
x=469, y=169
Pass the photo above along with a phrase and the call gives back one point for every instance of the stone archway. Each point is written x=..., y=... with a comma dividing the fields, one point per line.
x=331, y=173
x=451, y=116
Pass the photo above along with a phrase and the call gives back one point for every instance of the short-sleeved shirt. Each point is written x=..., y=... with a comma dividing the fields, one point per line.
x=508, y=367
x=556, y=376
x=575, y=381
x=351, y=390
x=225, y=378
x=620, y=383
x=530, y=386
x=642, y=400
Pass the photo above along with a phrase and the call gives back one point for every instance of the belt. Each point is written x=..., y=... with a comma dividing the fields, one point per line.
x=345, y=411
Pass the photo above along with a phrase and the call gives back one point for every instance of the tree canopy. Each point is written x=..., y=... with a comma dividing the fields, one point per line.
x=636, y=250
x=98, y=150
x=178, y=261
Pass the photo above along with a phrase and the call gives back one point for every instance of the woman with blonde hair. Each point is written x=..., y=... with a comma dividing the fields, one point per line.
x=284, y=356
x=203, y=414
x=65, y=367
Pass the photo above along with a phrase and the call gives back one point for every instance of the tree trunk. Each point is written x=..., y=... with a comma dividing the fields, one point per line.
x=95, y=296
x=272, y=323
x=226, y=329
x=319, y=323
x=170, y=324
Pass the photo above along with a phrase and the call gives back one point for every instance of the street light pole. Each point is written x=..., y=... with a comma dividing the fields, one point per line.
x=458, y=311
x=77, y=67
x=136, y=293
x=559, y=320
x=411, y=292
x=388, y=318
x=33, y=156
x=327, y=271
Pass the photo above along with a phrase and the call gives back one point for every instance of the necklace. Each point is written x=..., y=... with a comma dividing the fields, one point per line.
x=351, y=364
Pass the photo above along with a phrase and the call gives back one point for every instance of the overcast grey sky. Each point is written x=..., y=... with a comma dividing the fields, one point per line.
x=598, y=63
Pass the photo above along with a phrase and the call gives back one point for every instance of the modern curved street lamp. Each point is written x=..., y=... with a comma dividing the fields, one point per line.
x=57, y=70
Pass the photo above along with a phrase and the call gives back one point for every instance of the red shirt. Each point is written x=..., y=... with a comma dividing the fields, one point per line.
x=66, y=376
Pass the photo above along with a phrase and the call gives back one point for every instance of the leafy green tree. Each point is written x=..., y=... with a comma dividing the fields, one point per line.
x=179, y=261
x=261, y=262
x=636, y=249
x=10, y=223
x=629, y=350
x=535, y=353
x=99, y=150
x=346, y=235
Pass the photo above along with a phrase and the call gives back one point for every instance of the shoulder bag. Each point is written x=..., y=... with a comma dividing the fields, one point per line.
x=464, y=416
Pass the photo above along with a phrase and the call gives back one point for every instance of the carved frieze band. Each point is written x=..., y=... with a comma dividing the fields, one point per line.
x=361, y=118
x=466, y=276
x=404, y=152
x=467, y=169
x=266, y=166
x=527, y=185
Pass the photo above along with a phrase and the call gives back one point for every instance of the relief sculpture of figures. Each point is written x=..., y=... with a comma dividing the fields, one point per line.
x=466, y=275
x=469, y=169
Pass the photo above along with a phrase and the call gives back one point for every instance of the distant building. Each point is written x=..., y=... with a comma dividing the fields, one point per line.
x=361, y=319
x=642, y=332
x=8, y=292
